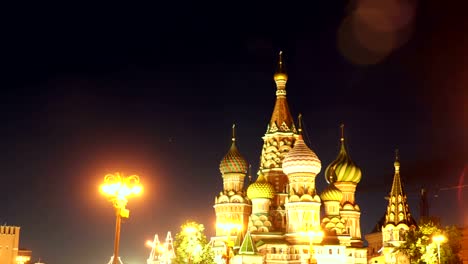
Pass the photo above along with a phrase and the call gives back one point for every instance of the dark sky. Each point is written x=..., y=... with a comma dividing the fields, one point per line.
x=152, y=90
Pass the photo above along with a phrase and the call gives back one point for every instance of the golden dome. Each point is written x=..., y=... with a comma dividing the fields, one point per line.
x=260, y=189
x=280, y=76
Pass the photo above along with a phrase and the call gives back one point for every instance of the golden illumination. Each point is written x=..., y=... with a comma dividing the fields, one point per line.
x=190, y=229
x=228, y=227
x=22, y=259
x=315, y=236
x=158, y=247
x=439, y=239
x=117, y=188
x=150, y=244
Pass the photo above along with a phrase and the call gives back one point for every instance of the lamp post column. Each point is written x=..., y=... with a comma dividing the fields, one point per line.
x=228, y=254
x=438, y=239
x=118, y=221
x=438, y=252
x=310, y=248
x=117, y=188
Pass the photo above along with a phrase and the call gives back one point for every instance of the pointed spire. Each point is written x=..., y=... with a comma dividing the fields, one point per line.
x=248, y=246
x=397, y=189
x=233, y=132
x=398, y=209
x=281, y=119
x=238, y=241
x=281, y=77
x=281, y=69
x=397, y=161
x=250, y=174
x=299, y=121
x=342, y=132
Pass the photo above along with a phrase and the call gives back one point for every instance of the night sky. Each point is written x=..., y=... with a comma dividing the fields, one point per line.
x=154, y=89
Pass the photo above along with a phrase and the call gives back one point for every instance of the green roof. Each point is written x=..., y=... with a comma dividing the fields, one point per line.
x=248, y=246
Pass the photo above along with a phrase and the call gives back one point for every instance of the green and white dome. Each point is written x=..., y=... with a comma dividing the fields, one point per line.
x=331, y=193
x=343, y=169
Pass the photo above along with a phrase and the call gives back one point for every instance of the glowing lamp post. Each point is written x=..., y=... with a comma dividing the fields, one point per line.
x=313, y=234
x=117, y=188
x=228, y=227
x=438, y=239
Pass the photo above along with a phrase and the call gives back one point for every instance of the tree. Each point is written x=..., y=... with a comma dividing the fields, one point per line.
x=421, y=249
x=192, y=246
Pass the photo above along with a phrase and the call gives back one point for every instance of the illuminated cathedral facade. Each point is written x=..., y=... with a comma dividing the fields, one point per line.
x=278, y=217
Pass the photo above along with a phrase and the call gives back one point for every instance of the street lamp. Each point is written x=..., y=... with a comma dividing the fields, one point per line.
x=313, y=234
x=438, y=239
x=117, y=188
x=228, y=227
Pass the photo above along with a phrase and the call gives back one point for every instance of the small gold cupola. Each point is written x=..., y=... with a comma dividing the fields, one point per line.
x=280, y=77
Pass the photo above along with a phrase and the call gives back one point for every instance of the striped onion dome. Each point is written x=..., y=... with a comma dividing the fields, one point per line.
x=343, y=169
x=331, y=193
x=261, y=188
x=233, y=162
x=301, y=159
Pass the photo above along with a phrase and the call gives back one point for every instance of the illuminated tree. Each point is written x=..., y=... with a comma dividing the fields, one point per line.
x=421, y=249
x=192, y=245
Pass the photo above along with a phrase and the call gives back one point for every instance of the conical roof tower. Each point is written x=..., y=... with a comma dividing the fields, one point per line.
x=397, y=219
x=278, y=141
x=281, y=119
x=398, y=208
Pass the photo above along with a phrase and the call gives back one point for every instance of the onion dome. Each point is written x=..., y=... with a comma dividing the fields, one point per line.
x=233, y=162
x=343, y=169
x=261, y=189
x=301, y=158
x=331, y=193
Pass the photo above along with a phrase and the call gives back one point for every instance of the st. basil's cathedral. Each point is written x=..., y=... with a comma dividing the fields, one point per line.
x=277, y=218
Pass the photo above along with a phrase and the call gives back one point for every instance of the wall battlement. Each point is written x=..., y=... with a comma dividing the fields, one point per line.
x=9, y=230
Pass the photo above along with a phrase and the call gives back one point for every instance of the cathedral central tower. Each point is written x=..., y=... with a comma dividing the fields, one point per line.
x=278, y=140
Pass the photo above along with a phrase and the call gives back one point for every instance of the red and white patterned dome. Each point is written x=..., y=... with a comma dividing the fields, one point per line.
x=301, y=159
